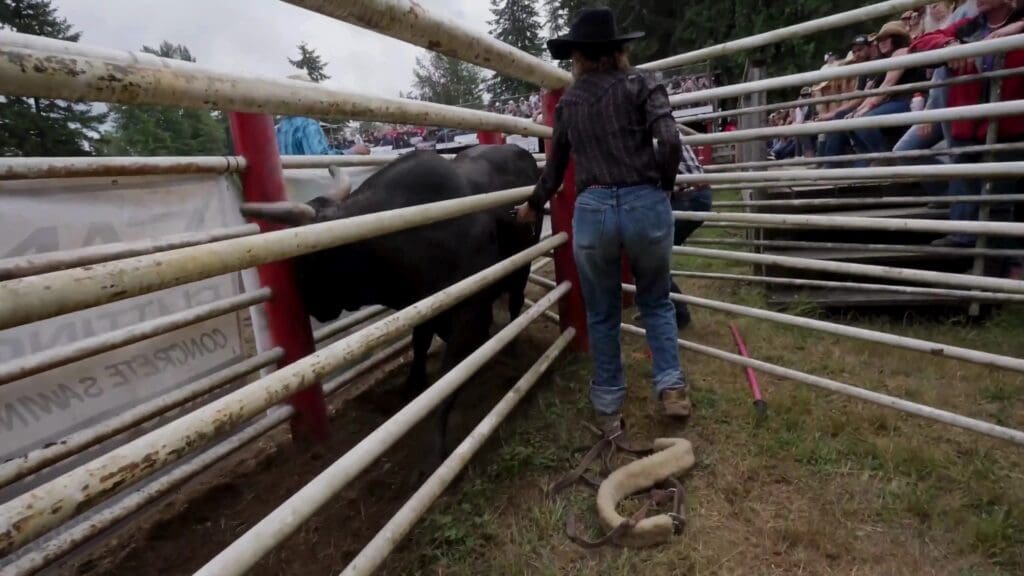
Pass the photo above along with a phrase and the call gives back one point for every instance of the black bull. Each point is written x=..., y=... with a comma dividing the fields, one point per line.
x=399, y=269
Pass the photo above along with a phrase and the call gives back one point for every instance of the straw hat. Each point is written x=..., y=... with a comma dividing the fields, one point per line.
x=892, y=30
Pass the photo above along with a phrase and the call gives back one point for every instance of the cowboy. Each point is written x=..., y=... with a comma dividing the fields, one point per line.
x=302, y=136
x=608, y=120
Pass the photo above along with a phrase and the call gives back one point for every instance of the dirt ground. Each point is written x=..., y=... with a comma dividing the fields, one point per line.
x=823, y=485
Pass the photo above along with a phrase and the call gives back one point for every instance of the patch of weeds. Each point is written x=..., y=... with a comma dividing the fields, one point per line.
x=454, y=533
x=998, y=533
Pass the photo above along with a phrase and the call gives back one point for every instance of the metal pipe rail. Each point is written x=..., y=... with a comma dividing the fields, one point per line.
x=76, y=442
x=84, y=167
x=799, y=185
x=384, y=542
x=33, y=264
x=277, y=526
x=1013, y=229
x=59, y=356
x=900, y=89
x=928, y=59
x=884, y=201
x=853, y=247
x=337, y=327
x=995, y=297
x=94, y=522
x=408, y=21
x=934, y=348
x=844, y=158
x=886, y=401
x=868, y=270
x=974, y=111
x=76, y=73
x=857, y=15
x=39, y=510
x=34, y=298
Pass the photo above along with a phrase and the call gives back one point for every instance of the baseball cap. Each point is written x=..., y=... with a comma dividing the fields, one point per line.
x=861, y=40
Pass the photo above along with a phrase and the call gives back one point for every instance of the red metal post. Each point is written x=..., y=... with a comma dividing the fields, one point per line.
x=288, y=322
x=571, y=310
x=485, y=137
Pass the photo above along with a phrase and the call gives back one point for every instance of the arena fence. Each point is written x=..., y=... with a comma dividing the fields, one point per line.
x=39, y=287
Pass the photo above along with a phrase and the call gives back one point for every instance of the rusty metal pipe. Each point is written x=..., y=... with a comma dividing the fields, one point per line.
x=34, y=298
x=409, y=21
x=36, y=512
x=95, y=522
x=49, y=359
x=84, y=167
x=77, y=73
x=33, y=264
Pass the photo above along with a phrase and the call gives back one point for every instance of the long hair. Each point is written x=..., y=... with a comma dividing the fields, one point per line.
x=605, y=58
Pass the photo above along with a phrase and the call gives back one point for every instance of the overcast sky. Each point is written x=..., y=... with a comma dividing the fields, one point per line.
x=259, y=36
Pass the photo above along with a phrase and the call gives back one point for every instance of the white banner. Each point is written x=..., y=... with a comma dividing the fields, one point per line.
x=48, y=215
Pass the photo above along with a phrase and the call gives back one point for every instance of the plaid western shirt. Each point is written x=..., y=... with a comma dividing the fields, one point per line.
x=608, y=121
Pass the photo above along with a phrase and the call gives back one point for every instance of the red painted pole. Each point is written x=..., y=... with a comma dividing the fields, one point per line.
x=571, y=310
x=263, y=181
x=485, y=137
x=760, y=406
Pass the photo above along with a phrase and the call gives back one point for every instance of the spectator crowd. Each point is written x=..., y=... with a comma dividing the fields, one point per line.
x=932, y=27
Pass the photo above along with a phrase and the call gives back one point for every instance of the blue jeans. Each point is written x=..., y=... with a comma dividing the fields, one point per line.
x=696, y=200
x=917, y=139
x=968, y=211
x=638, y=220
x=868, y=140
x=784, y=148
x=836, y=143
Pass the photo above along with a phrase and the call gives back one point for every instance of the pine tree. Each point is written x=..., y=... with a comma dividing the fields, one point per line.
x=446, y=80
x=515, y=22
x=311, y=62
x=37, y=127
x=165, y=131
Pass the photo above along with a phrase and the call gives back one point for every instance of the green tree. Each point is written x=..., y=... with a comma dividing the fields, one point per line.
x=515, y=22
x=37, y=127
x=445, y=80
x=165, y=131
x=311, y=62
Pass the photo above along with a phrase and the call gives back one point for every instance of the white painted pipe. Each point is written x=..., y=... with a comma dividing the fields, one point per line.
x=974, y=111
x=91, y=166
x=828, y=285
x=39, y=510
x=246, y=551
x=94, y=522
x=853, y=247
x=28, y=299
x=71, y=71
x=902, y=88
x=33, y=264
x=912, y=408
x=409, y=21
x=855, y=16
x=1013, y=229
x=884, y=400
x=339, y=326
x=845, y=158
x=873, y=202
x=917, y=60
x=868, y=270
x=933, y=348
x=76, y=442
x=803, y=185
x=373, y=554
x=61, y=355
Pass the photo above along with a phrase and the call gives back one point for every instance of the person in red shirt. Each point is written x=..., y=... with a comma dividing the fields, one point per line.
x=995, y=19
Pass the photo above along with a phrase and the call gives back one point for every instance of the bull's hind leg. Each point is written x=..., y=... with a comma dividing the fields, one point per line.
x=416, y=382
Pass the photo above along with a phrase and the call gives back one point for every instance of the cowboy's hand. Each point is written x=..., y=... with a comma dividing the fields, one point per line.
x=1008, y=30
x=525, y=214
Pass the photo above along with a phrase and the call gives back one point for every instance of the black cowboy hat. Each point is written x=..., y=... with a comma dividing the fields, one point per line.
x=592, y=27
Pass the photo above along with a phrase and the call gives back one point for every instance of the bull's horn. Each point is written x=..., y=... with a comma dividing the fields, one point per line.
x=291, y=213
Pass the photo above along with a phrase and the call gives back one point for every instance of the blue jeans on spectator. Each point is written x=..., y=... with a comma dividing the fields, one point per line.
x=917, y=139
x=869, y=140
x=968, y=211
x=784, y=148
x=836, y=143
x=638, y=220
x=697, y=199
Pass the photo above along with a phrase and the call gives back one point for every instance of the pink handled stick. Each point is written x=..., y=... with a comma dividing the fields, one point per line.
x=759, y=404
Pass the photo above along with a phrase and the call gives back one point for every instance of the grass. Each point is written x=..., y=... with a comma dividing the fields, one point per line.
x=823, y=485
